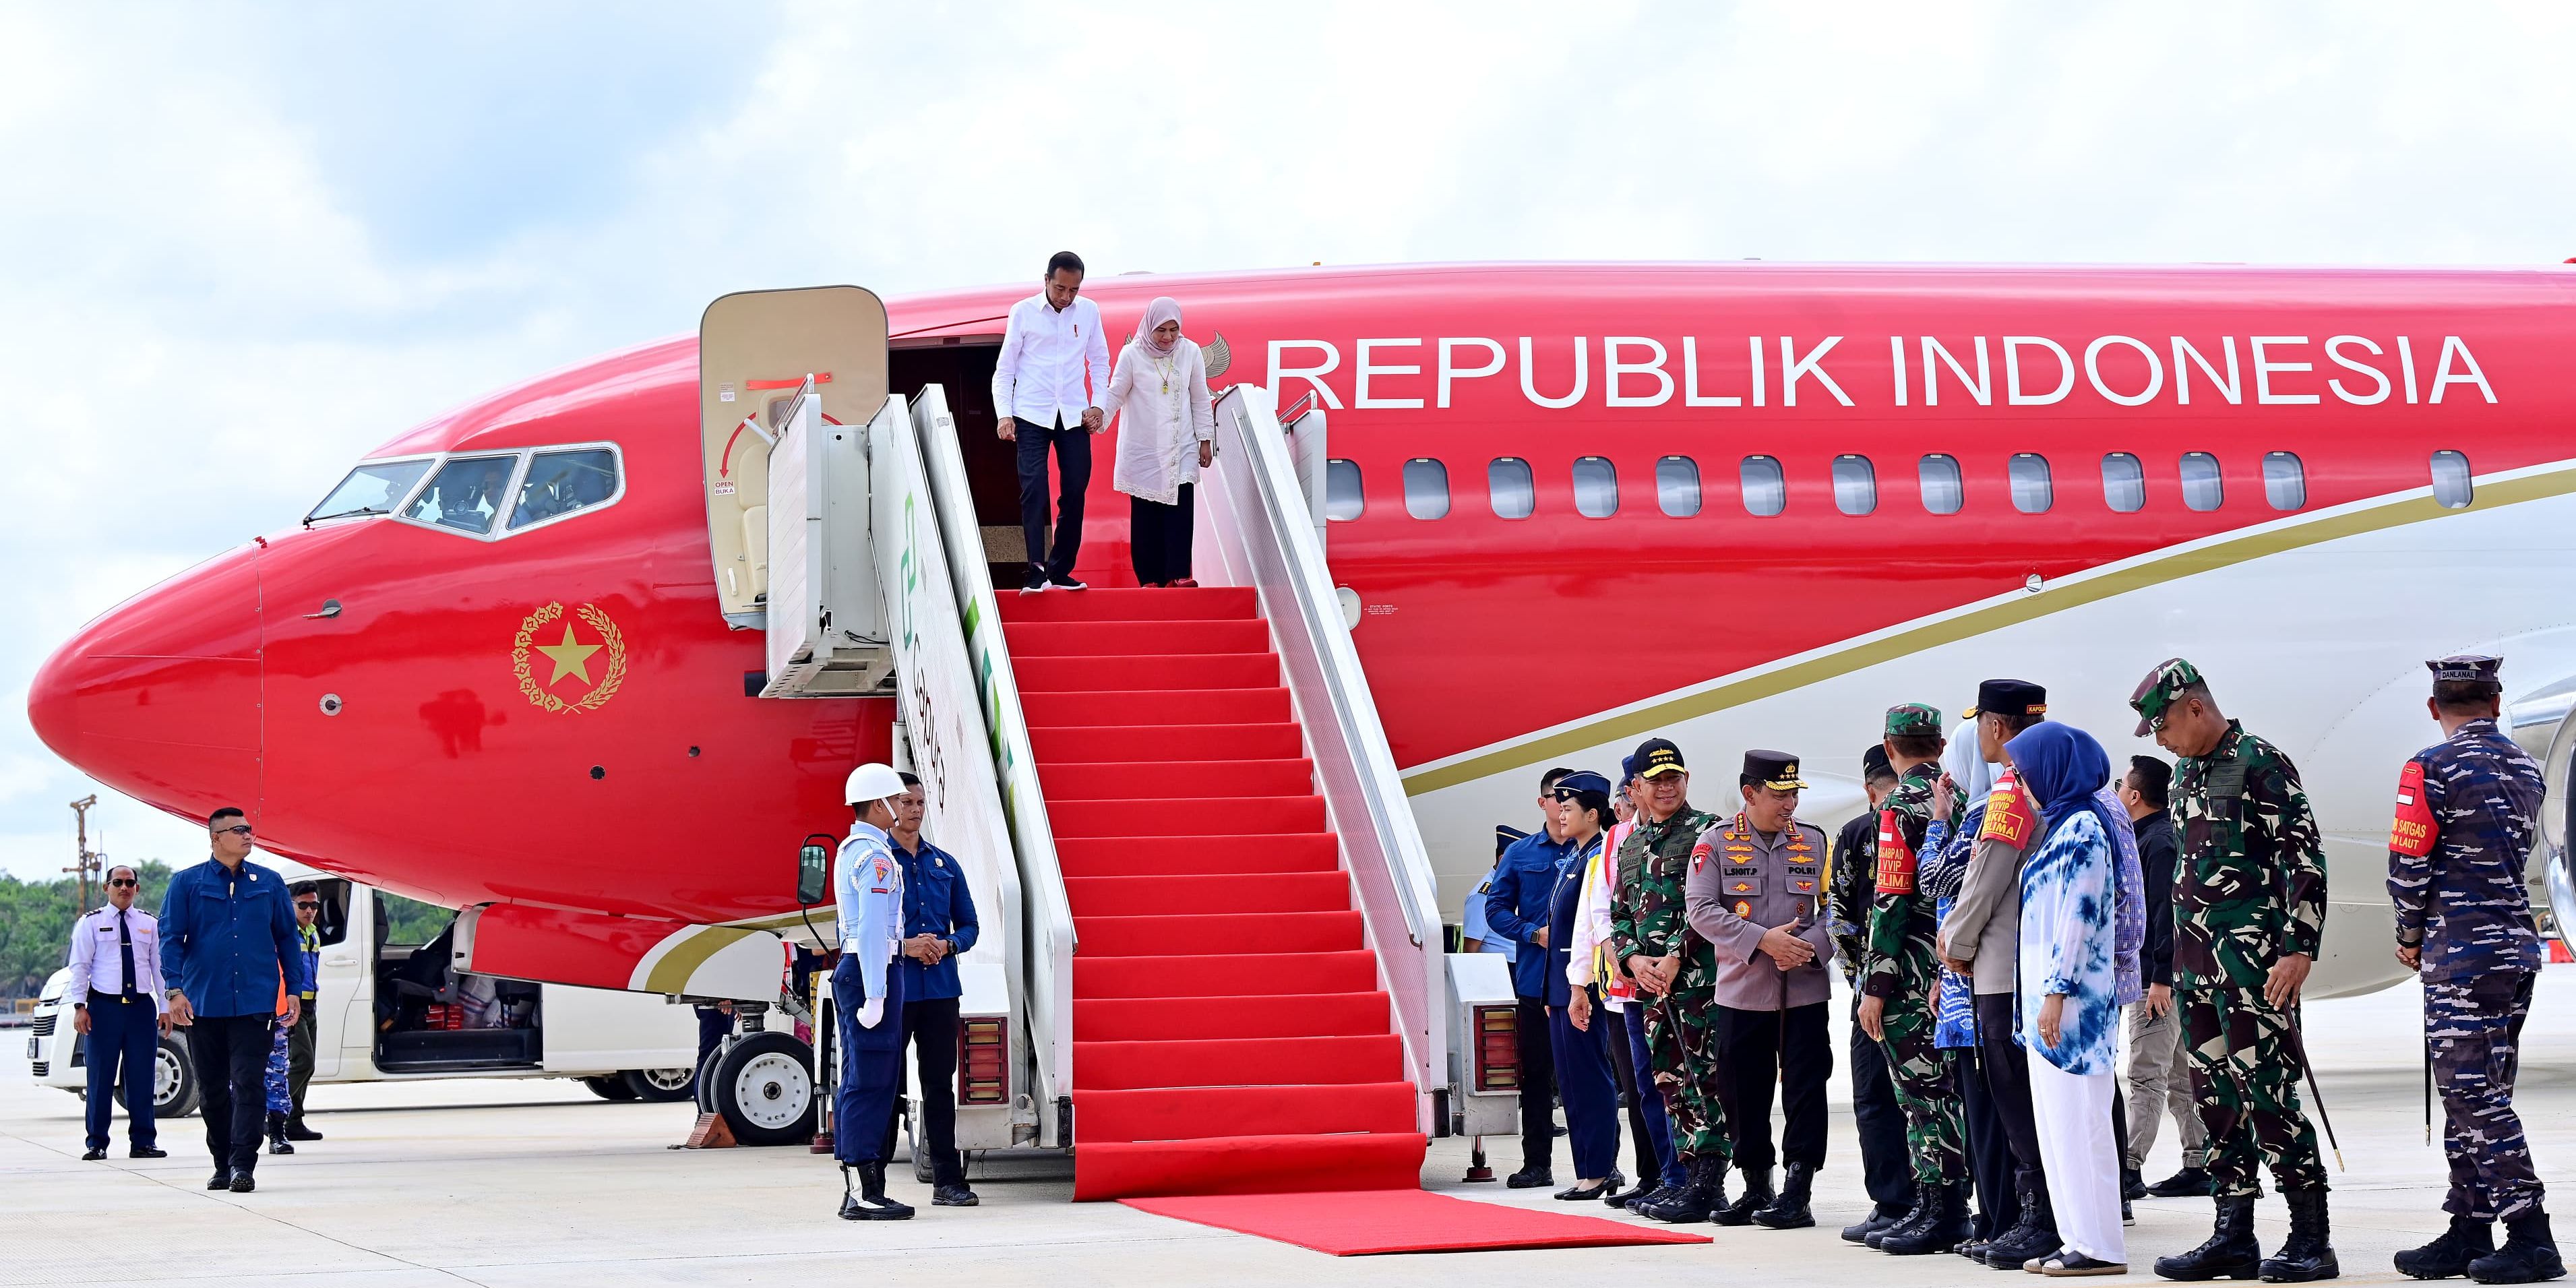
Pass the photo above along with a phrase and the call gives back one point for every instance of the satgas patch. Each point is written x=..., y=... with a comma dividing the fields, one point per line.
x=2008, y=815
x=2415, y=831
x=1896, y=860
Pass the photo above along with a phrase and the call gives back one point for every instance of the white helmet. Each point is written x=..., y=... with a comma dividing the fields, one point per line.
x=872, y=782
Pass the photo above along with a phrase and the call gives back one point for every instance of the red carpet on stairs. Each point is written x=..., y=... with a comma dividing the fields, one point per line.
x=1230, y=1037
x=1363, y=1223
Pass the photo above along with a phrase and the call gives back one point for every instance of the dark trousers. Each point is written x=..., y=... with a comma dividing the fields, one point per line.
x=1073, y=468
x=871, y=1065
x=930, y=1025
x=1591, y=1099
x=1788, y=1048
x=1538, y=1082
x=1887, y=1173
x=124, y=1037
x=1648, y=1133
x=713, y=1025
x=1990, y=1161
x=1158, y=537
x=2007, y=1070
x=231, y=1055
x=299, y=1058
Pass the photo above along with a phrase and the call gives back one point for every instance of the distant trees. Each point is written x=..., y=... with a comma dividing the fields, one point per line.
x=36, y=924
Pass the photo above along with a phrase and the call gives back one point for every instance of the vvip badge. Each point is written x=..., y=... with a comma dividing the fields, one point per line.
x=568, y=664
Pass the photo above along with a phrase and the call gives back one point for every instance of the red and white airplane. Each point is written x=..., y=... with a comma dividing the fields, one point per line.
x=1740, y=505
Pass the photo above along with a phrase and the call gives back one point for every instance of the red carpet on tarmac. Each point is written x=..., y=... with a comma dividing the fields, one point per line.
x=1362, y=1223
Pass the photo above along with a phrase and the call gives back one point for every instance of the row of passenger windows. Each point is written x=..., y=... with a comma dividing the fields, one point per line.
x=1512, y=489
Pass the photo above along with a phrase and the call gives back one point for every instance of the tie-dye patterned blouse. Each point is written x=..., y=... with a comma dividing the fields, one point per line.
x=2069, y=930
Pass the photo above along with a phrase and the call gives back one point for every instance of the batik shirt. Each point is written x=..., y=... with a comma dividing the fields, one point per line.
x=2249, y=872
x=1954, y=1024
x=2466, y=813
x=2068, y=942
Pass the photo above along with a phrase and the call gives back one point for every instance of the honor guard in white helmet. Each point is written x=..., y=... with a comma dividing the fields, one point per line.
x=867, y=883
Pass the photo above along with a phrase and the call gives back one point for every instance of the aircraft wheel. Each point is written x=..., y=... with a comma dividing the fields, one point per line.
x=174, y=1080
x=611, y=1087
x=661, y=1086
x=764, y=1087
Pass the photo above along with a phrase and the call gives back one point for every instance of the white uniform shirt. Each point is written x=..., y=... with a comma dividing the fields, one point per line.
x=97, y=965
x=1047, y=354
x=867, y=883
x=1166, y=416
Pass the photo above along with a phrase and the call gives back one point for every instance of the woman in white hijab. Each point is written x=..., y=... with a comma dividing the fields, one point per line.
x=1167, y=434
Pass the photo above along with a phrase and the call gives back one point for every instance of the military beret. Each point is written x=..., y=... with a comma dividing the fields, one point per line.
x=2156, y=693
x=1913, y=718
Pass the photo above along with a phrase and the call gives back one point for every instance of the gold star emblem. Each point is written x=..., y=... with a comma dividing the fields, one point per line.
x=572, y=657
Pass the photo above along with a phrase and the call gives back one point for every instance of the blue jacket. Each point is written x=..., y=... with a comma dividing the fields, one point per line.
x=935, y=902
x=1563, y=901
x=1516, y=907
x=228, y=938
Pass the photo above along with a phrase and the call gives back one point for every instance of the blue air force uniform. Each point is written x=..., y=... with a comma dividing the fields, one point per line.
x=867, y=883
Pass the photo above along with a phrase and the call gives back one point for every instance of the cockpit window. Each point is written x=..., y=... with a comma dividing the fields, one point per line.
x=562, y=482
x=466, y=493
x=369, y=489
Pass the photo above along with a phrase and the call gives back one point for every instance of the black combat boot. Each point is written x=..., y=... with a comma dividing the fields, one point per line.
x=1757, y=1196
x=870, y=1203
x=296, y=1130
x=2450, y=1253
x=2306, y=1255
x=1940, y=1232
x=1789, y=1211
x=2189, y=1183
x=1927, y=1205
x=2133, y=1185
x=2230, y=1253
x=2035, y=1235
x=1644, y=1194
x=277, y=1143
x=1686, y=1203
x=1881, y=1216
x=2529, y=1254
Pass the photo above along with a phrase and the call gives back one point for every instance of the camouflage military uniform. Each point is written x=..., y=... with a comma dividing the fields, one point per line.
x=2466, y=811
x=1902, y=970
x=2249, y=886
x=1647, y=919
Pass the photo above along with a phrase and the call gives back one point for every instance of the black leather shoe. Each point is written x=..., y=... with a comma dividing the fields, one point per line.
x=1530, y=1178
x=952, y=1196
x=2229, y=1253
x=2529, y=1254
x=243, y=1184
x=1757, y=1196
x=1880, y=1217
x=2308, y=1254
x=221, y=1180
x=2189, y=1183
x=296, y=1130
x=2133, y=1184
x=146, y=1151
x=1789, y=1211
x=94, y=1155
x=2450, y=1253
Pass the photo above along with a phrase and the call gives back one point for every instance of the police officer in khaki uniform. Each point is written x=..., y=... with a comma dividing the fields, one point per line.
x=1756, y=893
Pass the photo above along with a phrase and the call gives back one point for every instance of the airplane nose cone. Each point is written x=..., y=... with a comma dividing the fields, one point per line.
x=159, y=698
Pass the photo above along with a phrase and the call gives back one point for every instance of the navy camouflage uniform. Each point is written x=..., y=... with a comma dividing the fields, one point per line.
x=2249, y=887
x=2467, y=811
x=1902, y=969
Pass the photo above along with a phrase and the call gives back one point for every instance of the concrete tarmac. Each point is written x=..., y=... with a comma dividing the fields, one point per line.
x=499, y=1182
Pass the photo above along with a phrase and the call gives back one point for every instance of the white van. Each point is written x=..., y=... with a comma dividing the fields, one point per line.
x=381, y=1013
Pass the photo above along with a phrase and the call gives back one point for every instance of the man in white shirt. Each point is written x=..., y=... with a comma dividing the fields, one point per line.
x=1045, y=393
x=118, y=1001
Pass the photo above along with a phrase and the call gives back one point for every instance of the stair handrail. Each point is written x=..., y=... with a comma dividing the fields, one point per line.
x=1256, y=518
x=1047, y=962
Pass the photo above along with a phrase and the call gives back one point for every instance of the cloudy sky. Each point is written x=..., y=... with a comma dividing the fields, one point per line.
x=241, y=245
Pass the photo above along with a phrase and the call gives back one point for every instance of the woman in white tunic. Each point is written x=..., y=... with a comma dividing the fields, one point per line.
x=1166, y=435
x=2069, y=992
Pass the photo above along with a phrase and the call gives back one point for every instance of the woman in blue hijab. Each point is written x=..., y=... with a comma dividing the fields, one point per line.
x=2070, y=1010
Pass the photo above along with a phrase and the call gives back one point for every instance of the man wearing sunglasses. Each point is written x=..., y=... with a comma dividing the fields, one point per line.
x=299, y=1037
x=228, y=940
x=116, y=1001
